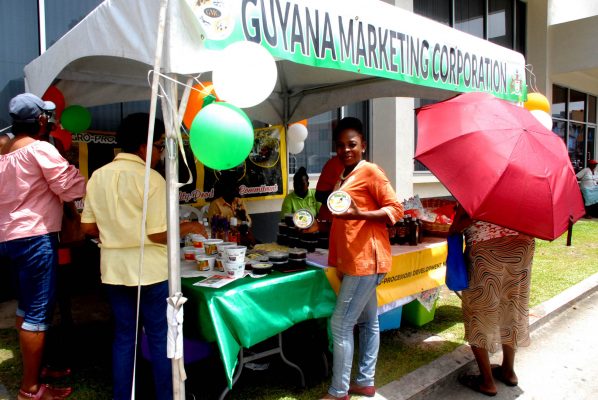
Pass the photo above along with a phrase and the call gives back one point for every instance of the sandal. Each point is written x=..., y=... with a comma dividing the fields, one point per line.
x=498, y=375
x=56, y=393
x=474, y=383
x=48, y=372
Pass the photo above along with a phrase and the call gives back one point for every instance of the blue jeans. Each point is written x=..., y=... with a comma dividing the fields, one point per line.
x=123, y=300
x=34, y=261
x=356, y=305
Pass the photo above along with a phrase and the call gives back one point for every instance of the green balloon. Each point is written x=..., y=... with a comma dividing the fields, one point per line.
x=75, y=119
x=221, y=136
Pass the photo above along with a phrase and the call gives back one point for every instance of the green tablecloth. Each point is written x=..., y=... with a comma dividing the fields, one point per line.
x=250, y=310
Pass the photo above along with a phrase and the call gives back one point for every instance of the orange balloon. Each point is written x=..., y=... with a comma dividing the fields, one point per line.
x=197, y=97
x=302, y=122
x=537, y=101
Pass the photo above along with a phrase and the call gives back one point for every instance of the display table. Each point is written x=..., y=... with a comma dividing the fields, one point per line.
x=250, y=310
x=414, y=270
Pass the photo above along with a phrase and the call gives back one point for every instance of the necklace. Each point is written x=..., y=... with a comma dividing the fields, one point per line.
x=343, y=176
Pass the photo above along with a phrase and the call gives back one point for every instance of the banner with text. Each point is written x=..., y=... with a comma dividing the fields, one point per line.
x=382, y=41
x=263, y=175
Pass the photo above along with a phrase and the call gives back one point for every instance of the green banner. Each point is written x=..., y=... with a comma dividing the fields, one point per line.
x=366, y=37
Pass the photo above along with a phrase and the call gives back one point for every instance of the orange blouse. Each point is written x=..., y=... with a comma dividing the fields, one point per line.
x=359, y=247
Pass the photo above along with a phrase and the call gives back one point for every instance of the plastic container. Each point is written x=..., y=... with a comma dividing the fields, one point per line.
x=235, y=253
x=390, y=319
x=219, y=264
x=234, y=269
x=188, y=253
x=210, y=246
x=278, y=256
x=261, y=268
x=309, y=245
x=296, y=263
x=198, y=240
x=205, y=263
x=338, y=202
x=221, y=246
x=288, y=220
x=297, y=254
x=282, y=239
x=303, y=218
x=416, y=314
x=283, y=228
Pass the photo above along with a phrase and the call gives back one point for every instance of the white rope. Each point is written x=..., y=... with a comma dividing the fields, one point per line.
x=532, y=78
x=177, y=120
x=148, y=158
x=178, y=116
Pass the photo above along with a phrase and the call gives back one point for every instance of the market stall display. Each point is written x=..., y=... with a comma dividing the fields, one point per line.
x=415, y=269
x=182, y=47
x=248, y=311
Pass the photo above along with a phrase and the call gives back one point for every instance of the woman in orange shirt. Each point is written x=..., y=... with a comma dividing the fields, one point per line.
x=360, y=250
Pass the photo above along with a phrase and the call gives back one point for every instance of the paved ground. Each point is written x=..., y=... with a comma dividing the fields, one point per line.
x=560, y=364
x=561, y=354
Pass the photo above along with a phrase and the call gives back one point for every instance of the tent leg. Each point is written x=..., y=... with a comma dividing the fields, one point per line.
x=173, y=232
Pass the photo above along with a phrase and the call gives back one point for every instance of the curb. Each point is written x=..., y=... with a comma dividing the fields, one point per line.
x=418, y=384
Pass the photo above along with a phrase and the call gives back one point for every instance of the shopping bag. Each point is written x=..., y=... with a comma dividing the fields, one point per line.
x=70, y=233
x=456, y=270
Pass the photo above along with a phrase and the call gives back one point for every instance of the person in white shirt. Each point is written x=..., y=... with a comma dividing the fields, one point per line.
x=588, y=182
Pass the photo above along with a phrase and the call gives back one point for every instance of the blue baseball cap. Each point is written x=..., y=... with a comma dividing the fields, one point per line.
x=26, y=107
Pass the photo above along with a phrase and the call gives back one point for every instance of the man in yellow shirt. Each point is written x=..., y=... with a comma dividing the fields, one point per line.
x=113, y=210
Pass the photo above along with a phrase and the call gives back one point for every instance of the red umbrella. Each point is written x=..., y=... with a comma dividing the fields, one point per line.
x=500, y=163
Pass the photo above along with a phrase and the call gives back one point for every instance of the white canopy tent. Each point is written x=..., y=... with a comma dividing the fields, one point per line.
x=329, y=53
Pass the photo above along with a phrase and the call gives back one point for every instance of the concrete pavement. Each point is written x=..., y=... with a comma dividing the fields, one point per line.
x=559, y=364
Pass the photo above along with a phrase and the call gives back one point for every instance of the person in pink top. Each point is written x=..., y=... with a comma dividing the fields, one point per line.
x=34, y=182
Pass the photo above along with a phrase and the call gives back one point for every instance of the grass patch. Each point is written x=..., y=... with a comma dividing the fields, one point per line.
x=556, y=267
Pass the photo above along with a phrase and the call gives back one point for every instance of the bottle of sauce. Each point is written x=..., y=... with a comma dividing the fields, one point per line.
x=412, y=231
x=401, y=232
x=206, y=225
x=392, y=234
x=233, y=231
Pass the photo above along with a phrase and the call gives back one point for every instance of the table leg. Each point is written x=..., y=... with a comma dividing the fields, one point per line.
x=246, y=359
x=235, y=377
x=286, y=361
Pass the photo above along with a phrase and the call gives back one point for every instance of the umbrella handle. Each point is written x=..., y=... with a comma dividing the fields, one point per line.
x=570, y=230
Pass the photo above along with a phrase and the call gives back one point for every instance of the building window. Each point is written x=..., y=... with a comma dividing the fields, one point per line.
x=574, y=120
x=20, y=45
x=319, y=147
x=498, y=21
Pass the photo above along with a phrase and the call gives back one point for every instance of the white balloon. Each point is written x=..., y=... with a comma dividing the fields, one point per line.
x=544, y=118
x=295, y=147
x=245, y=74
x=297, y=133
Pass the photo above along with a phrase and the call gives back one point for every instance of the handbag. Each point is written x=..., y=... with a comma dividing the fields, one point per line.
x=70, y=232
x=456, y=269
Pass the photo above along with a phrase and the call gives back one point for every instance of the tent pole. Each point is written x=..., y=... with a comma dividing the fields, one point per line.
x=174, y=282
x=173, y=230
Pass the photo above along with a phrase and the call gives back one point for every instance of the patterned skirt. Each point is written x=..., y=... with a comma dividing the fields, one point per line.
x=496, y=304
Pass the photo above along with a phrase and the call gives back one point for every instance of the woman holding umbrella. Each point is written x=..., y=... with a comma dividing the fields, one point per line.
x=360, y=250
x=495, y=306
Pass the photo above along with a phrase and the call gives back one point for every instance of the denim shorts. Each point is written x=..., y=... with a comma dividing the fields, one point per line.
x=34, y=261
